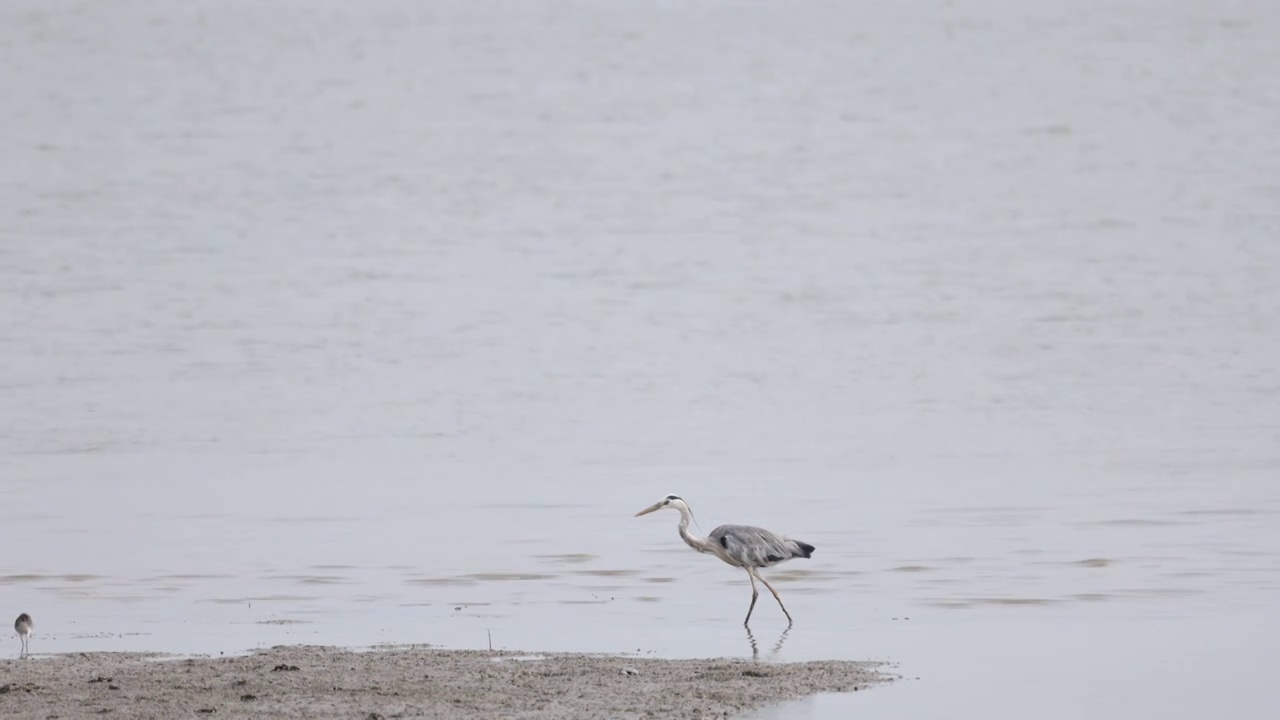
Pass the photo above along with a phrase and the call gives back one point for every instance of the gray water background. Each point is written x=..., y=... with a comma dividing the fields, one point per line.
x=370, y=323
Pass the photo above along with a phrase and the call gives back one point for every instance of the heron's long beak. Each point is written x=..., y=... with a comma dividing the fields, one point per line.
x=651, y=508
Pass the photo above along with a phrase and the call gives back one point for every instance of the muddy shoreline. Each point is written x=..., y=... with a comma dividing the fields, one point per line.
x=324, y=682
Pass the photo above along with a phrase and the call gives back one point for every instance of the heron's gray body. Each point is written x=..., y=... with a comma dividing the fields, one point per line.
x=749, y=546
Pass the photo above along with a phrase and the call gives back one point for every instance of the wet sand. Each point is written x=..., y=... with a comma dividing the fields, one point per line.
x=322, y=682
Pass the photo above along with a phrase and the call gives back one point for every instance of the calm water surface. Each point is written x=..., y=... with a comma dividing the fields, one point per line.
x=366, y=324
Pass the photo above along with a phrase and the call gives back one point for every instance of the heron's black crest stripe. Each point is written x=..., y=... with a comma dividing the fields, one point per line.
x=672, y=497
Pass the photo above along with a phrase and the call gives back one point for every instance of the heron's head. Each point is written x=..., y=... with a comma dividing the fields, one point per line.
x=671, y=501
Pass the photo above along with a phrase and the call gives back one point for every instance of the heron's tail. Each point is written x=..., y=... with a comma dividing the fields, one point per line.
x=805, y=548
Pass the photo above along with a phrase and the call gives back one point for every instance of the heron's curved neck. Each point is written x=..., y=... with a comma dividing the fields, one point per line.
x=697, y=543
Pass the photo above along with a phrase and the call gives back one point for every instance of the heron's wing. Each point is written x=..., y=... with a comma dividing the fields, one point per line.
x=752, y=546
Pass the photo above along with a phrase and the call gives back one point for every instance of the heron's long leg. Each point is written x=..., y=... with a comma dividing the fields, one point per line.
x=754, y=594
x=775, y=597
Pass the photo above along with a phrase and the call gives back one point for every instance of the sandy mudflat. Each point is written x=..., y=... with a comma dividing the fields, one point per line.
x=319, y=682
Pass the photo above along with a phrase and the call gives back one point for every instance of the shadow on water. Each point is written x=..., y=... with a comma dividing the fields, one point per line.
x=777, y=647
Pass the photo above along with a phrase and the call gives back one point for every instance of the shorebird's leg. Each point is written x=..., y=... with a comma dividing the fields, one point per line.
x=775, y=597
x=754, y=594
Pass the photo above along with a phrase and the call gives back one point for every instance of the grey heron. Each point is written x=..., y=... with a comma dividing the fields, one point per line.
x=23, y=626
x=744, y=546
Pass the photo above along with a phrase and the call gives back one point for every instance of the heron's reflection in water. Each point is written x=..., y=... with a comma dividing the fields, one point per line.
x=777, y=647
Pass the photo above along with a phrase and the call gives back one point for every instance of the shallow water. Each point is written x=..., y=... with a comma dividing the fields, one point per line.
x=376, y=325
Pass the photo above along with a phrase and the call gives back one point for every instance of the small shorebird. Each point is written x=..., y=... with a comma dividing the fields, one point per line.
x=744, y=546
x=23, y=626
